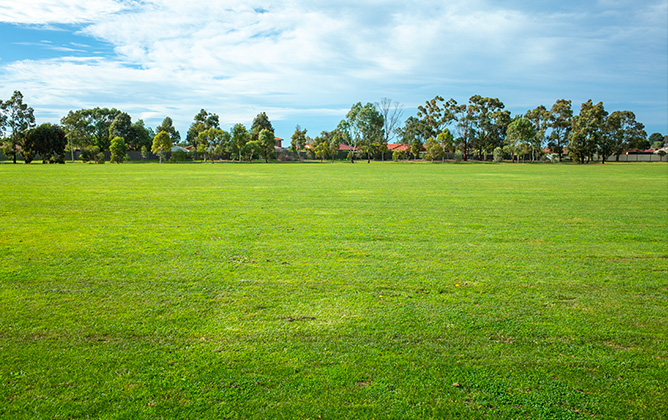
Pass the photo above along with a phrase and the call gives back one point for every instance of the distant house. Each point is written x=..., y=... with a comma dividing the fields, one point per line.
x=279, y=143
x=397, y=147
x=640, y=152
x=179, y=148
x=342, y=147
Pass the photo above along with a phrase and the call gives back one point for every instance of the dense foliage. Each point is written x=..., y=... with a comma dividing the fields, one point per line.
x=440, y=128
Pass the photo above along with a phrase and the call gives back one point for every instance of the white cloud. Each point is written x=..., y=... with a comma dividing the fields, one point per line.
x=45, y=12
x=237, y=58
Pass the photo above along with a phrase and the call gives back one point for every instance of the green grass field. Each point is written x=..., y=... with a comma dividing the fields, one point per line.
x=307, y=291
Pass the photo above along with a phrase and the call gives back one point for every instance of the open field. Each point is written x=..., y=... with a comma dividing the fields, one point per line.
x=334, y=291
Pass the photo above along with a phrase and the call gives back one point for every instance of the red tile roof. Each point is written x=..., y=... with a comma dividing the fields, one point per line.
x=397, y=146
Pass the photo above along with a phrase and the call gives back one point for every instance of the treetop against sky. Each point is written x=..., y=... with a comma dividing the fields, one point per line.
x=305, y=62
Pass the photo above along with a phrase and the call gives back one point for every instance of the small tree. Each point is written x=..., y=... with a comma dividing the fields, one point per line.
x=267, y=143
x=298, y=141
x=434, y=151
x=458, y=156
x=252, y=148
x=162, y=143
x=447, y=142
x=144, y=152
x=118, y=150
x=519, y=135
x=321, y=150
x=239, y=139
x=333, y=148
x=19, y=118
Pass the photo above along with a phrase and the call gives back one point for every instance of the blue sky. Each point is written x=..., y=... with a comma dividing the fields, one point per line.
x=306, y=62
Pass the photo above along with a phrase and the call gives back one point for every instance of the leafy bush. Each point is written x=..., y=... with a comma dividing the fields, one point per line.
x=99, y=158
x=118, y=150
x=28, y=155
x=178, y=156
x=59, y=158
x=498, y=155
x=396, y=155
x=458, y=156
x=88, y=154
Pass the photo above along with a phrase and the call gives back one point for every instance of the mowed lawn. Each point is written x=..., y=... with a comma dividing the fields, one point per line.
x=307, y=291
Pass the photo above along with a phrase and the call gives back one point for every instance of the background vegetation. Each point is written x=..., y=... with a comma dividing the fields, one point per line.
x=333, y=291
x=475, y=129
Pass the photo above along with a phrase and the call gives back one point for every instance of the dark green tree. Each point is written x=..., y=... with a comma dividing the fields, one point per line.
x=267, y=143
x=587, y=130
x=260, y=122
x=519, y=136
x=78, y=126
x=561, y=114
x=656, y=139
x=121, y=126
x=489, y=123
x=412, y=135
x=363, y=127
x=142, y=136
x=101, y=119
x=48, y=141
x=298, y=141
x=436, y=115
x=540, y=119
x=464, y=127
x=201, y=122
x=623, y=131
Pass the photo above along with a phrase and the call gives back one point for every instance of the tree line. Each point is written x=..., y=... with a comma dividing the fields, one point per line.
x=471, y=130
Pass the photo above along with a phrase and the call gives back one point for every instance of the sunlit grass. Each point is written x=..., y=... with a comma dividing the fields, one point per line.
x=334, y=290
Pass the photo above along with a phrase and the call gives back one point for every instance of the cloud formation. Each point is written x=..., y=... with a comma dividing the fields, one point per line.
x=291, y=57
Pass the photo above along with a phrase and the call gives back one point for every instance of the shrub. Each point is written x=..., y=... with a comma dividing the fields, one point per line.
x=118, y=150
x=178, y=156
x=458, y=156
x=498, y=155
x=59, y=158
x=88, y=154
x=99, y=158
x=28, y=155
x=396, y=155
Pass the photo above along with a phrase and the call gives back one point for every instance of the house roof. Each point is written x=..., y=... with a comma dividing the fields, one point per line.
x=397, y=146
